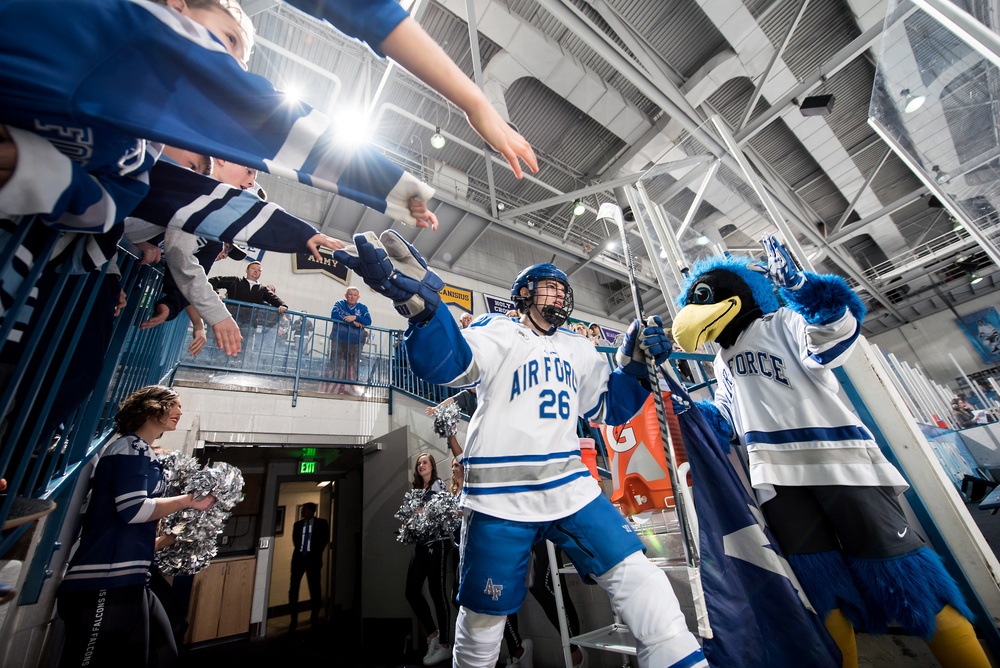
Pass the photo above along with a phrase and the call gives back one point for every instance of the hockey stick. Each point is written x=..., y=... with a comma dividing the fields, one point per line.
x=612, y=213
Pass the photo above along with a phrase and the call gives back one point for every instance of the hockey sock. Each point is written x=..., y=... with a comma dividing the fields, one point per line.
x=954, y=644
x=842, y=632
x=640, y=592
x=477, y=639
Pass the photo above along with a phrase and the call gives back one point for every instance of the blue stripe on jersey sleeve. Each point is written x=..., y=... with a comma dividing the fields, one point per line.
x=845, y=433
x=514, y=489
x=513, y=459
x=828, y=356
x=437, y=351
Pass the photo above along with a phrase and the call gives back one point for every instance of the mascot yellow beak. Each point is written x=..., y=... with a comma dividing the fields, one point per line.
x=700, y=323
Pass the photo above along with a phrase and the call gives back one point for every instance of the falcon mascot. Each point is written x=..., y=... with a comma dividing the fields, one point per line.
x=827, y=492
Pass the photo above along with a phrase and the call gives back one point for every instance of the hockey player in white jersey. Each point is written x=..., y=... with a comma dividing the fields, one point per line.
x=826, y=490
x=524, y=478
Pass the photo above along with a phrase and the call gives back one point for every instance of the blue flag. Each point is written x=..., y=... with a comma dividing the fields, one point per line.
x=758, y=615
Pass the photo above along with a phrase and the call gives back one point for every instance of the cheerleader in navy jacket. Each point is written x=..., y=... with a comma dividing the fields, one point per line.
x=112, y=619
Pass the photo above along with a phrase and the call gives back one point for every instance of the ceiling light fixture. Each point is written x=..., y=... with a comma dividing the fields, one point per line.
x=940, y=176
x=912, y=102
x=974, y=278
x=611, y=244
x=578, y=207
x=437, y=139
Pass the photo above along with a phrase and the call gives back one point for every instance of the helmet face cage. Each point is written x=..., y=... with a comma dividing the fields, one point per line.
x=529, y=278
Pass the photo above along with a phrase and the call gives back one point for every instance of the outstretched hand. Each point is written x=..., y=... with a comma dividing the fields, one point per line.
x=407, y=202
x=780, y=267
x=228, y=337
x=504, y=139
x=160, y=313
x=321, y=240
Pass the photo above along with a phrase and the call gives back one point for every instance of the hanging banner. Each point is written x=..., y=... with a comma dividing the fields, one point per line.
x=498, y=304
x=460, y=297
x=612, y=336
x=983, y=329
x=305, y=263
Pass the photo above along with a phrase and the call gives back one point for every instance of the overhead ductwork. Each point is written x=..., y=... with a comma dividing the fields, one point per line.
x=753, y=47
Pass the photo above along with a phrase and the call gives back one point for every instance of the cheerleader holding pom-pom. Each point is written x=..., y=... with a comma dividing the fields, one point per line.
x=429, y=518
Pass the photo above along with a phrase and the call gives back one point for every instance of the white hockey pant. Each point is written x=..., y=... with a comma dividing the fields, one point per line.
x=477, y=639
x=641, y=594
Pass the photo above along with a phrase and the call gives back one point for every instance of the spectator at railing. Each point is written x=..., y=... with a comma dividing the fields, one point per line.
x=249, y=290
x=350, y=318
x=597, y=336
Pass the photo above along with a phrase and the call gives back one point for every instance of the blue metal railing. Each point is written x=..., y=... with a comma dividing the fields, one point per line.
x=297, y=352
x=66, y=361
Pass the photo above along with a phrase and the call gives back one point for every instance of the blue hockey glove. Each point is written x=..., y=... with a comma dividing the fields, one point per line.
x=780, y=267
x=393, y=268
x=652, y=341
x=412, y=278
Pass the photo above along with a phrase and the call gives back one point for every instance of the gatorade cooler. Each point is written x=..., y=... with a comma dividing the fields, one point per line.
x=588, y=452
x=638, y=462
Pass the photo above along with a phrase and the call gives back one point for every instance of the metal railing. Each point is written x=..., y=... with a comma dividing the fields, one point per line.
x=295, y=352
x=298, y=353
x=67, y=357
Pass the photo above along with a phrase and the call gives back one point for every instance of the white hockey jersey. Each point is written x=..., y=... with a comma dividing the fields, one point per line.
x=522, y=437
x=778, y=391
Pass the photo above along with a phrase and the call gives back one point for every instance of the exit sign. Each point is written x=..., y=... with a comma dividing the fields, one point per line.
x=308, y=452
x=307, y=467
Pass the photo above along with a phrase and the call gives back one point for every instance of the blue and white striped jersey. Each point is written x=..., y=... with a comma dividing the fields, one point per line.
x=116, y=546
x=778, y=391
x=522, y=457
x=65, y=85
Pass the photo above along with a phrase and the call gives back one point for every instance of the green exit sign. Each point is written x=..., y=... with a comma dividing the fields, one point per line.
x=307, y=467
x=308, y=452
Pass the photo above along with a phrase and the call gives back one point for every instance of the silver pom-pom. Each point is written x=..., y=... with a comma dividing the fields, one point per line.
x=446, y=418
x=430, y=520
x=196, y=531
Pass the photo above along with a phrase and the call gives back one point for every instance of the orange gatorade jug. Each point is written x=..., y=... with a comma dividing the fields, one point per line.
x=588, y=452
x=638, y=463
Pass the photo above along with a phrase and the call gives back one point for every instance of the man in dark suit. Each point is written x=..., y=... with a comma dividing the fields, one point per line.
x=310, y=536
x=251, y=320
x=247, y=289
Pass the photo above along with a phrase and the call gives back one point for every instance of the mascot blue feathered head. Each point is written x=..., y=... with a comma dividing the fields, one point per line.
x=720, y=298
x=760, y=285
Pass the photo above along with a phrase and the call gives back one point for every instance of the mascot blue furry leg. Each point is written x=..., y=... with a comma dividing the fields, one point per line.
x=829, y=495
